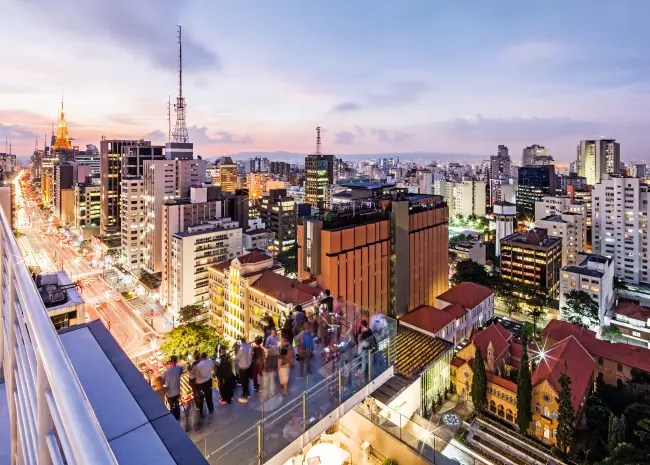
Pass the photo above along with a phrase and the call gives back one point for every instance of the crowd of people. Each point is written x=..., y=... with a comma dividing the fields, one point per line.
x=268, y=359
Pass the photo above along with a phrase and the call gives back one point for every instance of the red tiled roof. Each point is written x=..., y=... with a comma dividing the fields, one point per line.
x=285, y=289
x=457, y=362
x=569, y=356
x=495, y=333
x=632, y=310
x=255, y=232
x=468, y=295
x=504, y=383
x=627, y=354
x=455, y=310
x=428, y=318
x=254, y=256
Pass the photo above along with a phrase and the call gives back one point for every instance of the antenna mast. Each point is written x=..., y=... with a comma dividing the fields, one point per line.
x=318, y=147
x=180, y=130
x=169, y=118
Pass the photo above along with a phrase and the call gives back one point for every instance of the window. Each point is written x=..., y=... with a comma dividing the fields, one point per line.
x=600, y=361
x=538, y=409
x=554, y=415
x=619, y=367
x=547, y=398
x=547, y=412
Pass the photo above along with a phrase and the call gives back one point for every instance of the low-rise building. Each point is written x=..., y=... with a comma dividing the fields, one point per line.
x=192, y=251
x=469, y=250
x=532, y=258
x=614, y=361
x=502, y=351
x=258, y=239
x=248, y=292
x=593, y=275
x=61, y=298
x=633, y=323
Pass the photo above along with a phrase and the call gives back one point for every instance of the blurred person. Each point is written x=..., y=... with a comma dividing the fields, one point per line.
x=225, y=376
x=172, y=383
x=159, y=388
x=259, y=355
x=363, y=345
x=196, y=391
x=284, y=369
x=204, y=370
x=244, y=361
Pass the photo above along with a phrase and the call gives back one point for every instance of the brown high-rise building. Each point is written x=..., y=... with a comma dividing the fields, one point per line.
x=321, y=172
x=390, y=258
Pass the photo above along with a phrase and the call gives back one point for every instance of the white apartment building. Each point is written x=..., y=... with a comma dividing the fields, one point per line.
x=165, y=180
x=633, y=323
x=464, y=198
x=133, y=224
x=593, y=275
x=555, y=205
x=571, y=228
x=191, y=252
x=178, y=215
x=596, y=158
x=620, y=226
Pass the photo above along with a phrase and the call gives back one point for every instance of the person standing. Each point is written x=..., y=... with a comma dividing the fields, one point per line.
x=259, y=354
x=172, y=382
x=284, y=368
x=225, y=377
x=363, y=344
x=244, y=362
x=204, y=371
x=196, y=392
x=159, y=388
x=305, y=345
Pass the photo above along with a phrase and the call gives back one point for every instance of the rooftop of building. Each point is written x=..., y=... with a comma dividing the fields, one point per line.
x=429, y=319
x=216, y=225
x=467, y=294
x=369, y=185
x=537, y=237
x=57, y=290
x=626, y=354
x=503, y=203
x=258, y=232
x=110, y=379
x=284, y=289
x=417, y=351
x=633, y=311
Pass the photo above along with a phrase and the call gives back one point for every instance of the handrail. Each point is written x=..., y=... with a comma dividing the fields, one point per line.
x=80, y=425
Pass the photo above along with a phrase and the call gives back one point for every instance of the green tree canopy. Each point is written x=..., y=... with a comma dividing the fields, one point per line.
x=184, y=340
x=524, y=389
x=189, y=313
x=580, y=309
x=616, y=432
x=479, y=382
x=470, y=271
x=626, y=454
x=566, y=416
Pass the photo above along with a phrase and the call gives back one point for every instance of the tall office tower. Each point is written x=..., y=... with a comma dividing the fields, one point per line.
x=257, y=165
x=620, y=226
x=505, y=214
x=573, y=231
x=63, y=182
x=535, y=182
x=278, y=213
x=178, y=215
x=226, y=174
x=321, y=171
x=133, y=220
x=386, y=255
x=531, y=154
x=500, y=163
x=133, y=157
x=596, y=158
x=464, y=198
x=86, y=206
x=571, y=182
x=532, y=258
x=281, y=169
x=90, y=158
x=110, y=157
x=165, y=180
x=640, y=170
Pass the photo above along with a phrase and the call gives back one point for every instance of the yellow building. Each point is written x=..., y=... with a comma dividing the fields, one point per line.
x=248, y=292
x=501, y=352
x=256, y=184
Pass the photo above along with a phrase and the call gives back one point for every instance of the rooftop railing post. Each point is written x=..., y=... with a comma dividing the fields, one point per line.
x=260, y=442
x=340, y=384
x=304, y=411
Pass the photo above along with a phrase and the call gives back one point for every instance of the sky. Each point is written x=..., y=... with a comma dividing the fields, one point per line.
x=377, y=76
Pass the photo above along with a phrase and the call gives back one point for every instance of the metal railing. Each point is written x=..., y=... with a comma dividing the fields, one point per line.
x=273, y=430
x=50, y=418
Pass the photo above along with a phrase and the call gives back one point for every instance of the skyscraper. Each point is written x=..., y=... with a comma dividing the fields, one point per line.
x=598, y=157
x=534, y=183
x=534, y=155
x=500, y=163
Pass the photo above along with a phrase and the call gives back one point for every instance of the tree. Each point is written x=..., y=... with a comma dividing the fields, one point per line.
x=511, y=304
x=634, y=413
x=524, y=388
x=470, y=271
x=184, y=340
x=616, y=432
x=643, y=433
x=479, y=382
x=626, y=454
x=619, y=285
x=189, y=313
x=580, y=308
x=598, y=416
x=565, y=415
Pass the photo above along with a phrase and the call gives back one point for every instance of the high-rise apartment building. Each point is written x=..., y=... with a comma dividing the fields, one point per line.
x=321, y=171
x=63, y=187
x=133, y=221
x=165, y=180
x=620, y=226
x=573, y=231
x=535, y=155
x=532, y=258
x=280, y=168
x=556, y=205
x=192, y=252
x=257, y=165
x=256, y=184
x=596, y=158
x=390, y=258
x=534, y=183
x=87, y=206
x=500, y=163
x=465, y=198
x=110, y=157
x=278, y=212
x=89, y=157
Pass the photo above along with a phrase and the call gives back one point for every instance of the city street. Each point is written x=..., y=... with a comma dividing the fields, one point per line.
x=43, y=249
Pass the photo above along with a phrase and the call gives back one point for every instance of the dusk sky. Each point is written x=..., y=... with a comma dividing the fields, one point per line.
x=378, y=76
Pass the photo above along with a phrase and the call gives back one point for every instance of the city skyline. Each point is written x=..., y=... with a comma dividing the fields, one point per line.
x=258, y=79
